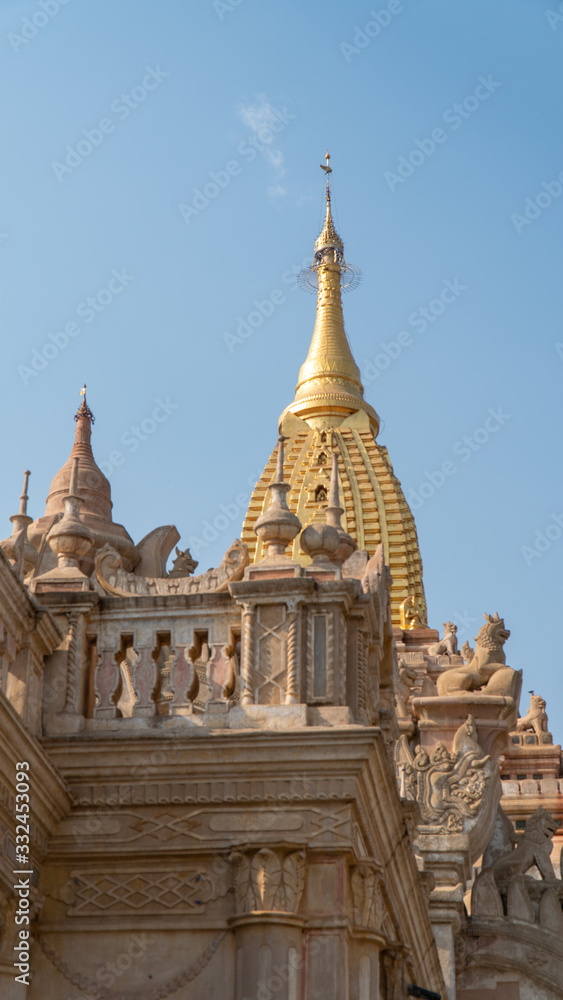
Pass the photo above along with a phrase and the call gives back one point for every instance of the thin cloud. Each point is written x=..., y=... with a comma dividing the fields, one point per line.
x=264, y=121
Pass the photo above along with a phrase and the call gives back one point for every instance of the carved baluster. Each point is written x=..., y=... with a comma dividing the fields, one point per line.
x=292, y=685
x=184, y=683
x=220, y=672
x=247, y=694
x=107, y=686
x=145, y=682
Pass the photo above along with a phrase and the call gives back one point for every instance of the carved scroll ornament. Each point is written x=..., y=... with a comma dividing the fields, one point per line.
x=448, y=787
x=116, y=581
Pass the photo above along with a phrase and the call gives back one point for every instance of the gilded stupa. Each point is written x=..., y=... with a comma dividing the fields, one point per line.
x=329, y=413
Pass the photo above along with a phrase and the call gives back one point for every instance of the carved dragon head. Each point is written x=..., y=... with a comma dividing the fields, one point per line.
x=494, y=633
x=541, y=826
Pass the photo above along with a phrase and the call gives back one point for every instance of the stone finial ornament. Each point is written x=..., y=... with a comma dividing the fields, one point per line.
x=278, y=525
x=17, y=548
x=69, y=538
x=94, y=490
x=326, y=540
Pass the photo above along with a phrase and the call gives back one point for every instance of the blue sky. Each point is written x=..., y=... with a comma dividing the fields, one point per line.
x=117, y=115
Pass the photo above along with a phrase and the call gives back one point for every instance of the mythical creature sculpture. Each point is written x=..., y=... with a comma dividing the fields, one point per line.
x=486, y=670
x=448, y=787
x=114, y=580
x=447, y=646
x=407, y=677
x=534, y=849
x=183, y=564
x=467, y=652
x=503, y=889
x=536, y=717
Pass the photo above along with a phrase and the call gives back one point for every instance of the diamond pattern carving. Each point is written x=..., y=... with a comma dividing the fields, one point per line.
x=165, y=826
x=186, y=891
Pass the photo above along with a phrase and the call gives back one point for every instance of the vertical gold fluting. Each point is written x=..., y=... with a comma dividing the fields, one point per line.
x=247, y=694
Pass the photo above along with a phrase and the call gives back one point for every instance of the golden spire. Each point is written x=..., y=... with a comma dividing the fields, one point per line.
x=329, y=388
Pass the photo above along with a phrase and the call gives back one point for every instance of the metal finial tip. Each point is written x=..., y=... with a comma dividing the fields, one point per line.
x=327, y=168
x=27, y=472
x=84, y=410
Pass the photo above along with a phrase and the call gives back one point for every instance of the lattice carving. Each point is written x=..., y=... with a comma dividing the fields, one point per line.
x=186, y=891
x=270, y=668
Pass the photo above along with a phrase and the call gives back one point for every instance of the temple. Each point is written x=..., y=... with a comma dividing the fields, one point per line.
x=273, y=780
x=329, y=413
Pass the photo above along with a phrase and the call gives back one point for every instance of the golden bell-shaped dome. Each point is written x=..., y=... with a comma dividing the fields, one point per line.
x=329, y=413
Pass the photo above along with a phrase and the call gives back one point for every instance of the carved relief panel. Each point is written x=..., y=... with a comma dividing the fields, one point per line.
x=270, y=672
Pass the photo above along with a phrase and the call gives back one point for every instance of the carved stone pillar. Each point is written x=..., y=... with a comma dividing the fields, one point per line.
x=371, y=928
x=247, y=666
x=268, y=930
x=7, y=655
x=293, y=682
x=74, y=660
x=24, y=685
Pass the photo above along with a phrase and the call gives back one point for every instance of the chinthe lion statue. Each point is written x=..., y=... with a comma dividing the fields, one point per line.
x=486, y=670
x=536, y=717
x=447, y=646
x=534, y=849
